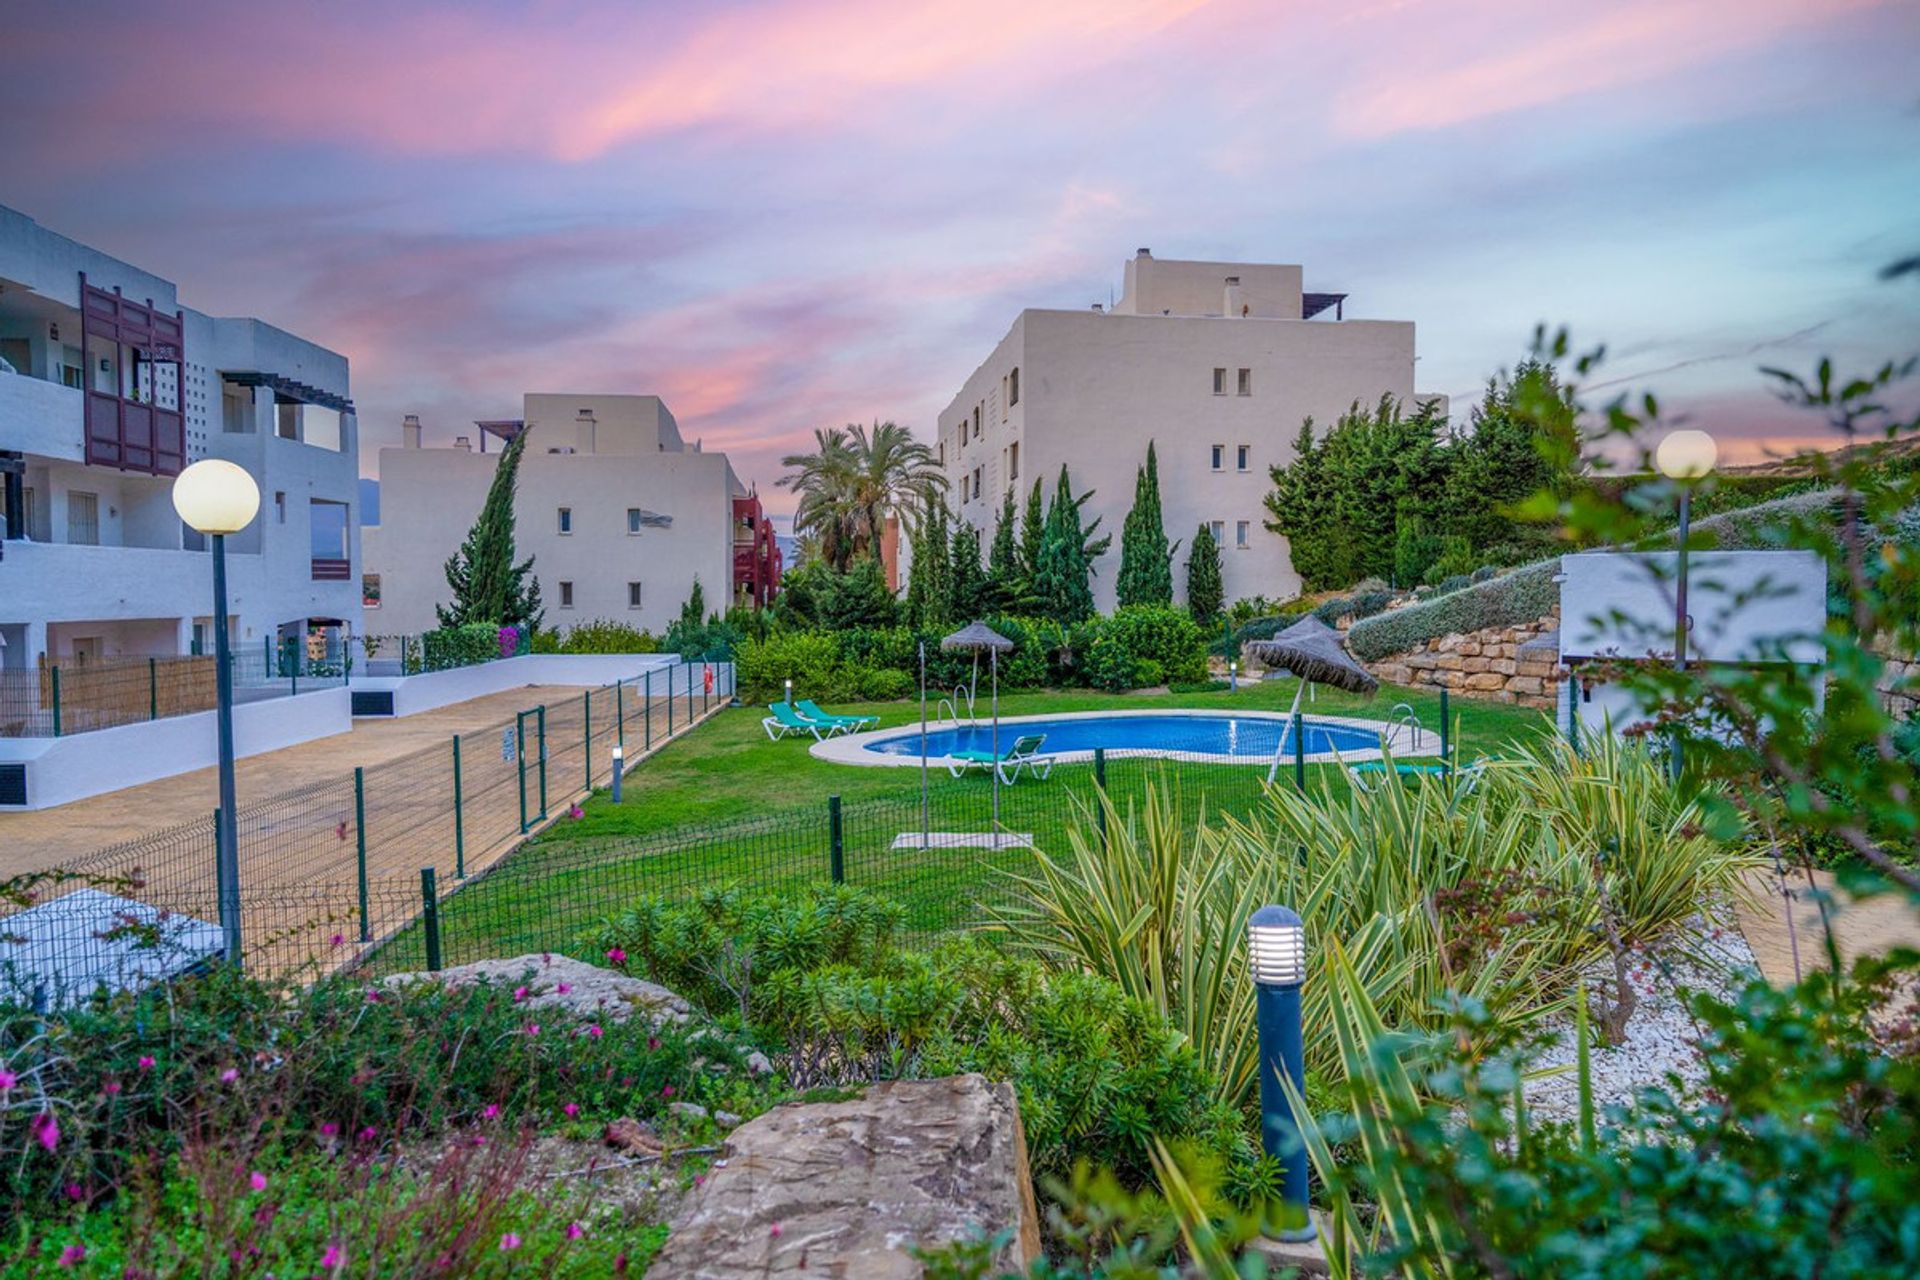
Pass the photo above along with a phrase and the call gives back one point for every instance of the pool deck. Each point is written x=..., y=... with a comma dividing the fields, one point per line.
x=1403, y=741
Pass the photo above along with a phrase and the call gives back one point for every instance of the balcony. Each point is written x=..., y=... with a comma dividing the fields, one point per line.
x=330, y=569
x=57, y=582
x=42, y=418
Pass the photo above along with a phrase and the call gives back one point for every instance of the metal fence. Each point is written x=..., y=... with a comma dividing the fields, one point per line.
x=61, y=699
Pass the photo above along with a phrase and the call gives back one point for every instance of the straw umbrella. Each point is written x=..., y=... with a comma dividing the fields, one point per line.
x=976, y=639
x=1313, y=651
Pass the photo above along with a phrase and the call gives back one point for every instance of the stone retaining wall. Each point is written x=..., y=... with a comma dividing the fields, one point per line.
x=1481, y=664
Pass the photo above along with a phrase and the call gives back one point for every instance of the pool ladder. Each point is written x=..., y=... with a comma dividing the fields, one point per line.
x=948, y=708
x=1404, y=714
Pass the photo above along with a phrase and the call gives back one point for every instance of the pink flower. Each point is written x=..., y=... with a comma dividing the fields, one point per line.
x=373, y=997
x=8, y=1080
x=594, y=1031
x=519, y=994
x=616, y=955
x=257, y=1180
x=74, y=1191
x=564, y=988
x=509, y=1242
x=46, y=1129
x=146, y=1062
x=667, y=1092
x=110, y=1088
x=337, y=940
x=332, y=1257
x=229, y=1076
x=774, y=1230
x=367, y=1134
x=491, y=1110
x=653, y=1042
x=328, y=1128
x=575, y=811
x=572, y=1109
x=533, y=1028
x=575, y=1231
x=72, y=1255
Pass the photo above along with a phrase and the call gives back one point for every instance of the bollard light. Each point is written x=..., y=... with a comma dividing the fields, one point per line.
x=1233, y=676
x=789, y=690
x=619, y=755
x=1277, y=957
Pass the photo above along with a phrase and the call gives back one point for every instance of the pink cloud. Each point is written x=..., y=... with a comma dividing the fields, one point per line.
x=1490, y=63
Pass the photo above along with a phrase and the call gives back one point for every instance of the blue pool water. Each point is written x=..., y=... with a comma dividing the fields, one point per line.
x=1220, y=735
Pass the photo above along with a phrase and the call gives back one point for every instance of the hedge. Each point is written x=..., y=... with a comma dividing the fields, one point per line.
x=1529, y=593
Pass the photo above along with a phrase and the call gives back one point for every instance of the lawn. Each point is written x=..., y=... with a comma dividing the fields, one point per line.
x=727, y=807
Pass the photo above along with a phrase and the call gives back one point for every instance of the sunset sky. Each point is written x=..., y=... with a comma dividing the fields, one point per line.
x=781, y=216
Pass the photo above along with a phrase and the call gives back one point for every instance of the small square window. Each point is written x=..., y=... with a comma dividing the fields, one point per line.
x=1013, y=461
x=1219, y=457
x=633, y=595
x=633, y=519
x=1219, y=382
x=1246, y=382
x=1242, y=534
x=566, y=595
x=280, y=506
x=1218, y=528
x=1243, y=457
x=566, y=520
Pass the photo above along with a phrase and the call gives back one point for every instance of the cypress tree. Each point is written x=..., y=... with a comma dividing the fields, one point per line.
x=1033, y=535
x=1205, y=595
x=487, y=585
x=929, y=584
x=1066, y=557
x=966, y=598
x=1146, y=561
x=1007, y=588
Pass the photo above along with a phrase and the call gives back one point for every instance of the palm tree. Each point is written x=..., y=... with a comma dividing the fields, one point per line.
x=853, y=480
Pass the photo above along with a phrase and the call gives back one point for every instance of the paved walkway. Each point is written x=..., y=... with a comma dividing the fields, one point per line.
x=53, y=837
x=1868, y=927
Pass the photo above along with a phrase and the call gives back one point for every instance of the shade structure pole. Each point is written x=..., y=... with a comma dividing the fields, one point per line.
x=926, y=803
x=993, y=663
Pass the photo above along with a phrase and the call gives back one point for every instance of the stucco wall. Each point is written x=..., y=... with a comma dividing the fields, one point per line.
x=1095, y=388
x=425, y=692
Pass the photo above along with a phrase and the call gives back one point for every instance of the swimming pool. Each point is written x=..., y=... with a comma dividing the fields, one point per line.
x=1227, y=736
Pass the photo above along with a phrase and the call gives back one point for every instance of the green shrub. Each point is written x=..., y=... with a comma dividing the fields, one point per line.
x=808, y=658
x=461, y=646
x=603, y=635
x=1144, y=645
x=821, y=978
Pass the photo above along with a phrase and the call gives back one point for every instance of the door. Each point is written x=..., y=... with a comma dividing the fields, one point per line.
x=86, y=649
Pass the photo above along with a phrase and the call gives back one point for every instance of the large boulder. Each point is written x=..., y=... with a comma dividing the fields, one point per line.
x=558, y=982
x=845, y=1189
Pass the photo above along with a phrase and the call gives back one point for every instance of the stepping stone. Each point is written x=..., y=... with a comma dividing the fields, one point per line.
x=963, y=840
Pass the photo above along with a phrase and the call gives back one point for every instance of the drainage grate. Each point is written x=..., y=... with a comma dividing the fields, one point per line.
x=373, y=702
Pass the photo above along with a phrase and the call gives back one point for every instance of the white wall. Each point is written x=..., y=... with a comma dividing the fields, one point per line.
x=62, y=770
x=1745, y=605
x=424, y=692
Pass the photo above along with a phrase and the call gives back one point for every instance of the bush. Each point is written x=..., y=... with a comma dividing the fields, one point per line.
x=1145, y=645
x=822, y=980
x=808, y=658
x=461, y=646
x=603, y=635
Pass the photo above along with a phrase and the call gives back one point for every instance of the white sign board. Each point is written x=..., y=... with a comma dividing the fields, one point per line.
x=1743, y=606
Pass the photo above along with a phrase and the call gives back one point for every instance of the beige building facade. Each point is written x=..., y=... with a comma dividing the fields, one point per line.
x=1216, y=363
x=619, y=513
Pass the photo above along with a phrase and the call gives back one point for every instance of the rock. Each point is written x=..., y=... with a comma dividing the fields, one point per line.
x=1474, y=666
x=1467, y=648
x=1502, y=666
x=726, y=1119
x=633, y=1137
x=687, y=1110
x=1486, y=682
x=1529, y=685
x=591, y=991
x=844, y=1189
x=757, y=1064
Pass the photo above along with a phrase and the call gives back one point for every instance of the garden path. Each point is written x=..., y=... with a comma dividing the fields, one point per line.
x=1870, y=927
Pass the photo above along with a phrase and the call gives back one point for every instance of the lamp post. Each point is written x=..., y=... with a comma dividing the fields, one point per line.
x=1277, y=955
x=619, y=769
x=1233, y=676
x=1684, y=457
x=789, y=684
x=216, y=498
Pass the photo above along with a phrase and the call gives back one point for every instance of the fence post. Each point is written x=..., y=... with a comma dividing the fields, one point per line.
x=459, y=818
x=520, y=763
x=430, y=918
x=1299, y=753
x=647, y=713
x=540, y=726
x=619, y=713
x=153, y=689
x=836, y=853
x=1446, y=733
x=360, y=842
x=56, y=702
x=586, y=733
x=1100, y=792
x=669, y=702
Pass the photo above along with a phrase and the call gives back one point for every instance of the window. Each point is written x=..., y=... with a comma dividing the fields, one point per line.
x=1218, y=528
x=1242, y=533
x=1013, y=386
x=1013, y=461
x=633, y=595
x=976, y=482
x=280, y=506
x=1246, y=382
x=566, y=520
x=634, y=519
x=943, y=453
x=1243, y=457
x=1219, y=382
x=236, y=410
x=287, y=421
x=566, y=594
x=83, y=519
x=1005, y=403
x=370, y=590
x=1219, y=457
x=976, y=422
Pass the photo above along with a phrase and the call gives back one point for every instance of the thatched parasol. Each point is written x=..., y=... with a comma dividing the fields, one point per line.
x=1313, y=651
x=977, y=637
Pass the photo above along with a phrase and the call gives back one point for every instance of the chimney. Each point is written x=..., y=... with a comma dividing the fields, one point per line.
x=410, y=431
x=1098, y=307
x=461, y=442
x=1143, y=252
x=1232, y=307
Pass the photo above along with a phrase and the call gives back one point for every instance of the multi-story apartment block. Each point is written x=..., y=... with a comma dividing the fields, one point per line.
x=619, y=514
x=1217, y=363
x=108, y=387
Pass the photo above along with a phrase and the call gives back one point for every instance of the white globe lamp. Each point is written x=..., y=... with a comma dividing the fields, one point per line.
x=215, y=496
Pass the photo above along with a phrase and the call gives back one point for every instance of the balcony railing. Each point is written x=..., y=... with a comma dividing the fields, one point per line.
x=327, y=569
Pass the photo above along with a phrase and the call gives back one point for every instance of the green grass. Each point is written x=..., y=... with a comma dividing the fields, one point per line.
x=725, y=806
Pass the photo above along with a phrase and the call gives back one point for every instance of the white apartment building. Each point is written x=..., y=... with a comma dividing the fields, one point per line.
x=108, y=387
x=1217, y=363
x=619, y=514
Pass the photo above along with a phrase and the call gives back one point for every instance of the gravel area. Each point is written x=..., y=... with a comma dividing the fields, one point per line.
x=1709, y=954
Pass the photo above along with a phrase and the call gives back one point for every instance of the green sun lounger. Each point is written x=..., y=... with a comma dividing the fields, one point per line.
x=808, y=708
x=785, y=719
x=1023, y=754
